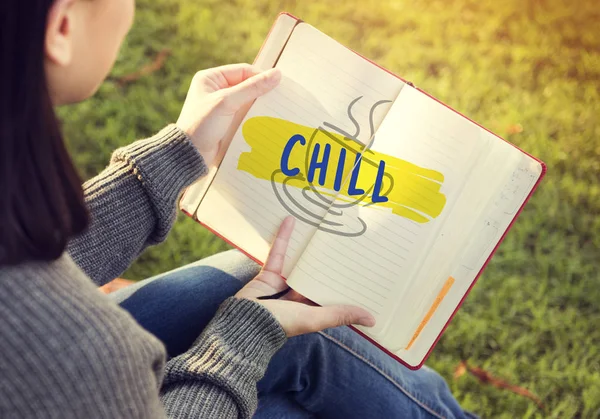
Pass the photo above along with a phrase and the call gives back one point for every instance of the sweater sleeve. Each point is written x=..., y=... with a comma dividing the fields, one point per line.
x=70, y=352
x=132, y=202
x=217, y=377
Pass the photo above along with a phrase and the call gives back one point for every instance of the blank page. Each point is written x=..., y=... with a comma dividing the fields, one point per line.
x=249, y=196
x=517, y=183
x=490, y=164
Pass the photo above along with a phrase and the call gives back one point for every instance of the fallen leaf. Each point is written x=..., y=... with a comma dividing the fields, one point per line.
x=515, y=129
x=460, y=370
x=487, y=378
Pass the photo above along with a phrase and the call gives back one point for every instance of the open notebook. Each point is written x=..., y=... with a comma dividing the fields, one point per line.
x=400, y=201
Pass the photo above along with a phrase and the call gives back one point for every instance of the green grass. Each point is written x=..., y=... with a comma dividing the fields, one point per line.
x=533, y=317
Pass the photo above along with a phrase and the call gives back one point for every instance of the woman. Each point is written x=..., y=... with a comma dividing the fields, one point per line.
x=70, y=352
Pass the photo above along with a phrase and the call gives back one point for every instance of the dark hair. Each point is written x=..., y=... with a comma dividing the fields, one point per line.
x=41, y=198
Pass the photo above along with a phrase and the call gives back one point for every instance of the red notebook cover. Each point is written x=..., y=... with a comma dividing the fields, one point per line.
x=517, y=213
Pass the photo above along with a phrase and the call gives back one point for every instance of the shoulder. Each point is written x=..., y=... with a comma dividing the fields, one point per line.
x=68, y=348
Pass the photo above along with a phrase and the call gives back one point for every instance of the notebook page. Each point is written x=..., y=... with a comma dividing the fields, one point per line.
x=490, y=170
x=250, y=195
x=460, y=226
x=493, y=222
x=429, y=155
x=456, y=148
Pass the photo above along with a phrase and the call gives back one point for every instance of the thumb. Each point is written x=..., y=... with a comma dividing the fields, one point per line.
x=251, y=88
x=340, y=315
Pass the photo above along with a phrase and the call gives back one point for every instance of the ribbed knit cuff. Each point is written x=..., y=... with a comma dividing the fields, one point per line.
x=231, y=355
x=249, y=328
x=164, y=164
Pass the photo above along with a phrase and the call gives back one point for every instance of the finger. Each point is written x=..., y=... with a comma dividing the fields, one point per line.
x=276, y=257
x=250, y=89
x=339, y=315
x=233, y=74
x=273, y=280
x=218, y=78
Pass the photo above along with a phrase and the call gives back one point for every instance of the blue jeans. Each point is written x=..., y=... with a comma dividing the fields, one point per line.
x=334, y=373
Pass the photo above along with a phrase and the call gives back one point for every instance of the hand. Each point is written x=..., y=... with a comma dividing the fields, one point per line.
x=296, y=314
x=214, y=97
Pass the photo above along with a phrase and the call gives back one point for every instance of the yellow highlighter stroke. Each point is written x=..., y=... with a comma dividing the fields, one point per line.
x=413, y=192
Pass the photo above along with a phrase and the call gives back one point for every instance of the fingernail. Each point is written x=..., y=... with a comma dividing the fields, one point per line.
x=291, y=220
x=274, y=77
x=287, y=226
x=368, y=321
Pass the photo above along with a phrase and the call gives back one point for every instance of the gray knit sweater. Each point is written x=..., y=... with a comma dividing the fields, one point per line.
x=67, y=351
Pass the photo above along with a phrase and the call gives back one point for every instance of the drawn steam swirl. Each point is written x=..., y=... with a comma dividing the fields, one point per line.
x=309, y=208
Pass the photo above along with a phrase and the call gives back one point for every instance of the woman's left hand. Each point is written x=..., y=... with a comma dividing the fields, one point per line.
x=296, y=314
x=214, y=97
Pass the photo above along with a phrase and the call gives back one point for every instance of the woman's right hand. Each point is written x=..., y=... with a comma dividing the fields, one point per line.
x=296, y=314
x=214, y=97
